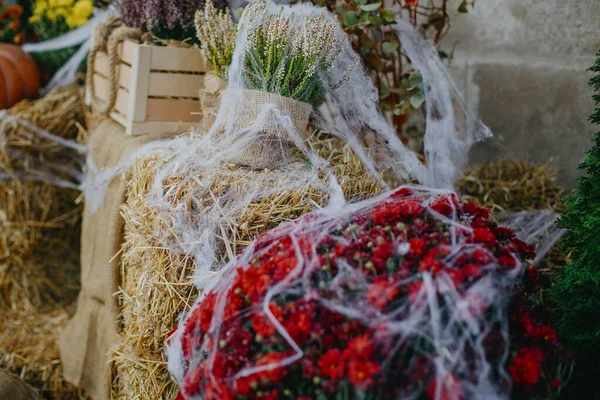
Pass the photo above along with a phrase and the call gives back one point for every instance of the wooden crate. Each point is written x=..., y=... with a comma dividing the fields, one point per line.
x=158, y=87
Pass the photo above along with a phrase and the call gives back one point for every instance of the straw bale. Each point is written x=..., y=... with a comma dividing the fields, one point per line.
x=517, y=186
x=39, y=222
x=156, y=286
x=512, y=186
x=29, y=349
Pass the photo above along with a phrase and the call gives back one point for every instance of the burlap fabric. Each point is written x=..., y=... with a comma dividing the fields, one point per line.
x=85, y=343
x=13, y=388
x=272, y=149
x=210, y=99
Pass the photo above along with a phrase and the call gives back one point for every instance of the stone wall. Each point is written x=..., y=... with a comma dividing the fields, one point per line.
x=521, y=65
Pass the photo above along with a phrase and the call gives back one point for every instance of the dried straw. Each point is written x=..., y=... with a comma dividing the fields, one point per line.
x=517, y=186
x=39, y=222
x=39, y=240
x=29, y=349
x=156, y=286
x=512, y=186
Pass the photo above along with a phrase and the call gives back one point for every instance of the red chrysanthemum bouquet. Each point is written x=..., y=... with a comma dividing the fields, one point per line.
x=405, y=296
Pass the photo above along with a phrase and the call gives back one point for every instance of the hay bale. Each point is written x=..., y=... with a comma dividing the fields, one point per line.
x=517, y=186
x=156, y=283
x=39, y=221
x=512, y=186
x=29, y=349
x=39, y=237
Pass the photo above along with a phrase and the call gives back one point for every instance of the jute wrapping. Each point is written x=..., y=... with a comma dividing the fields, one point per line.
x=210, y=99
x=272, y=149
x=85, y=343
x=13, y=388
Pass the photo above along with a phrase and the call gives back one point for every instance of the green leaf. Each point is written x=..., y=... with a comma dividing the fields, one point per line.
x=417, y=100
x=360, y=2
x=388, y=16
x=463, y=7
x=376, y=21
x=370, y=7
x=350, y=18
x=414, y=80
x=389, y=47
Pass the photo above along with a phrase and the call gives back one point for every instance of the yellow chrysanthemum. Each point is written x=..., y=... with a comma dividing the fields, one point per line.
x=83, y=9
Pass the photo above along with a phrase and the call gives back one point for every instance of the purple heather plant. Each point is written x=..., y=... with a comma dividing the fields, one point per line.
x=166, y=19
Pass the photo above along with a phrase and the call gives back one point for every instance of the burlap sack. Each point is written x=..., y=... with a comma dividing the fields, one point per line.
x=13, y=388
x=272, y=149
x=85, y=343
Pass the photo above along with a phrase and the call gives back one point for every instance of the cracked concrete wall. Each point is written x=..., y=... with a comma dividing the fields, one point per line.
x=521, y=65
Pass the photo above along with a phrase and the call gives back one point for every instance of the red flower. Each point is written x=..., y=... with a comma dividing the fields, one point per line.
x=545, y=333
x=262, y=325
x=480, y=256
x=443, y=207
x=525, y=367
x=503, y=233
x=417, y=245
x=556, y=384
x=331, y=364
x=451, y=388
x=381, y=292
x=274, y=370
x=401, y=192
x=475, y=211
x=193, y=380
x=483, y=235
x=527, y=324
x=382, y=252
x=507, y=261
x=525, y=250
x=361, y=372
x=359, y=347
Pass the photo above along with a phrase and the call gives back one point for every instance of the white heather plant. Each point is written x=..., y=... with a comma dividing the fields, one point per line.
x=217, y=33
x=286, y=59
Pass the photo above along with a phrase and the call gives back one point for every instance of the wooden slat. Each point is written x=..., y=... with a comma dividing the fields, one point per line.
x=178, y=59
x=122, y=101
x=102, y=67
x=128, y=51
x=173, y=110
x=121, y=119
x=175, y=85
x=145, y=128
x=140, y=73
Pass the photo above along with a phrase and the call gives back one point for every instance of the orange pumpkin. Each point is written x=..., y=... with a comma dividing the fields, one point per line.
x=19, y=76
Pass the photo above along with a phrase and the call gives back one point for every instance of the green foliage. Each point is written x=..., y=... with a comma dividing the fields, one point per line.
x=217, y=33
x=283, y=58
x=369, y=24
x=576, y=291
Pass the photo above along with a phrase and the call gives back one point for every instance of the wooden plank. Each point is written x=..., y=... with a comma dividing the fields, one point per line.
x=128, y=50
x=140, y=73
x=121, y=119
x=102, y=67
x=175, y=85
x=101, y=64
x=178, y=59
x=102, y=92
x=142, y=128
x=173, y=110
